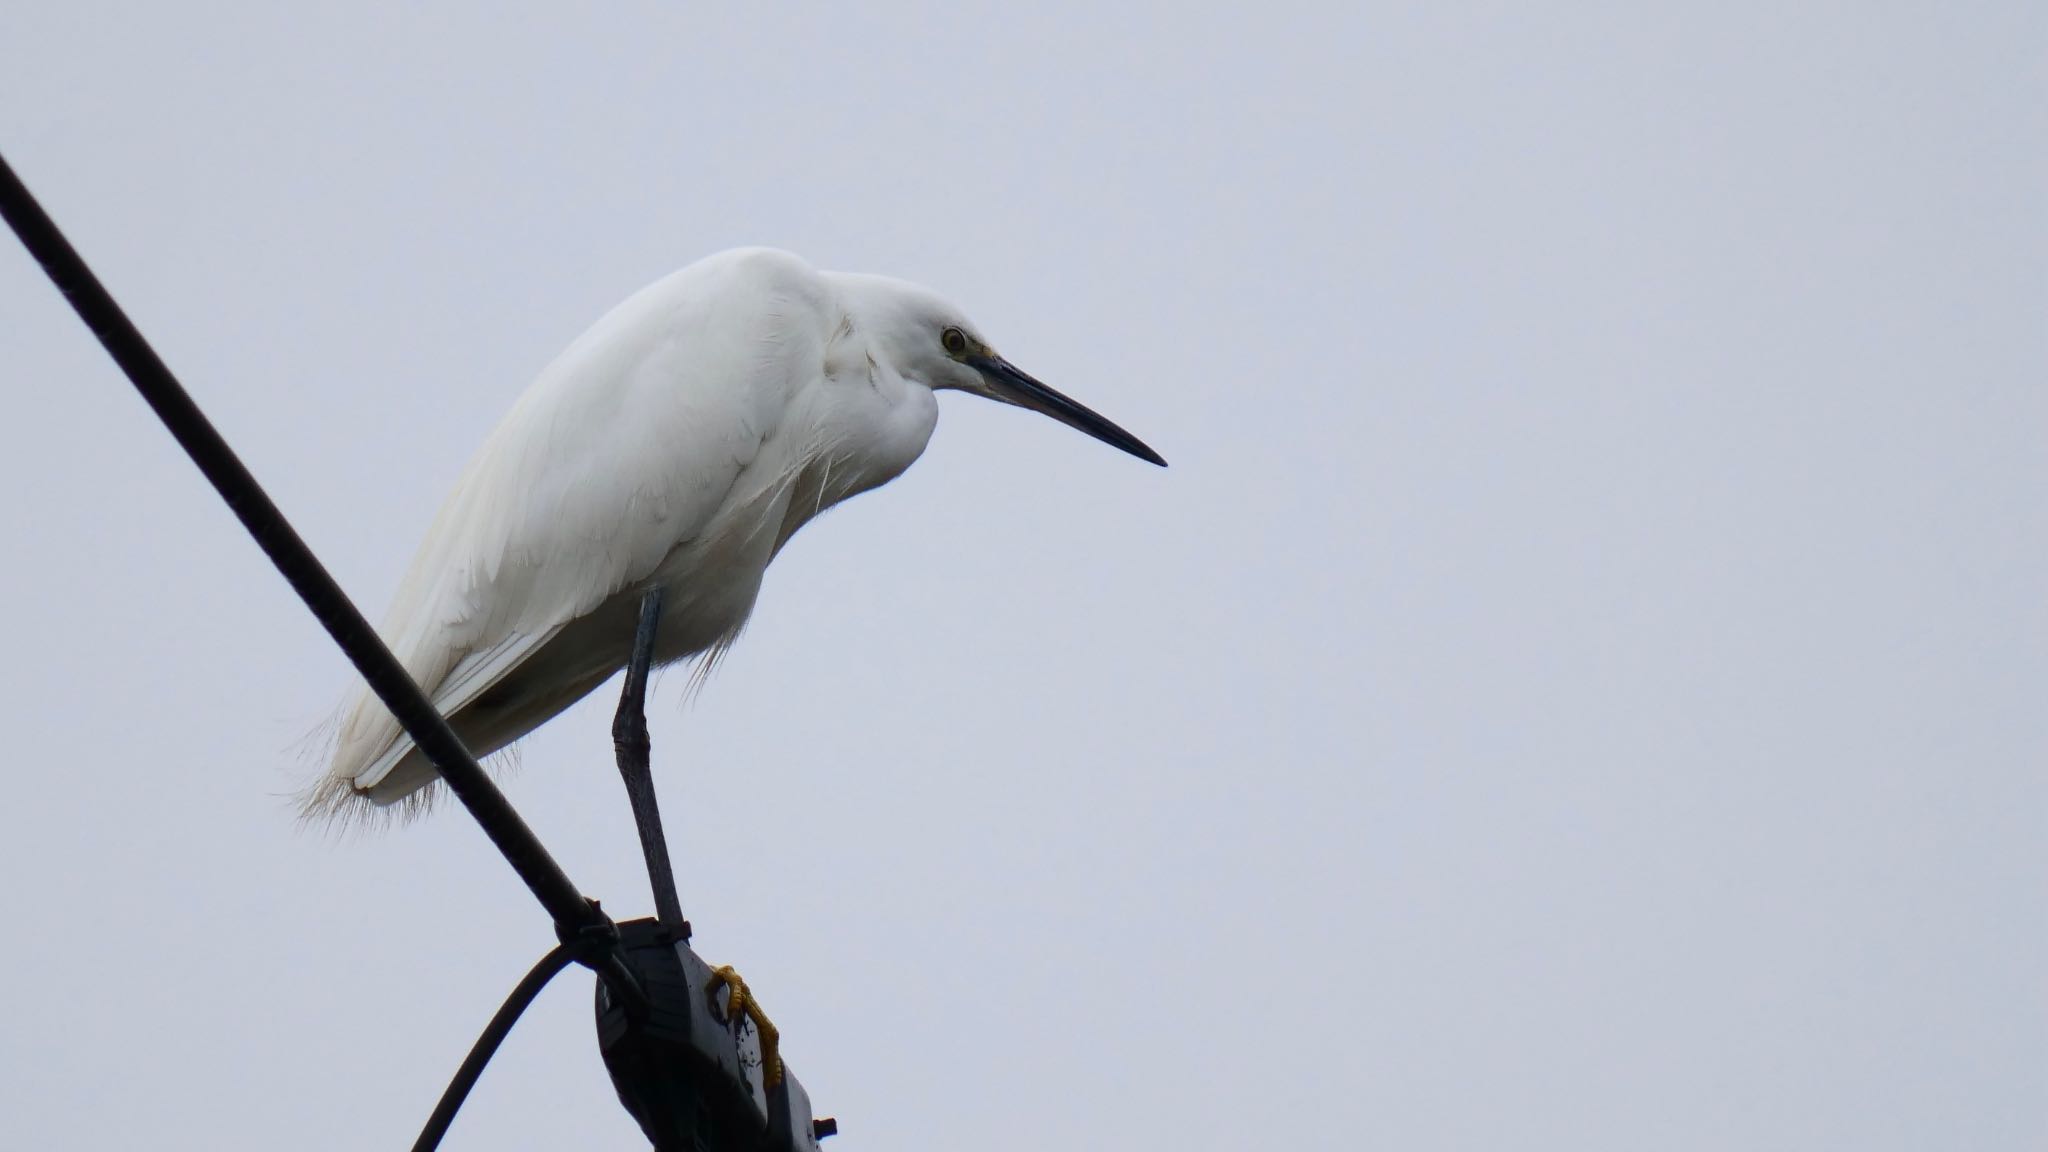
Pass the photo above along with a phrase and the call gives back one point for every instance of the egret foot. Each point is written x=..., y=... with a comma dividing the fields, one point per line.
x=740, y=999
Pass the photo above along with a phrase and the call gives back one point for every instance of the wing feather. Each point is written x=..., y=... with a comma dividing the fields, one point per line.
x=627, y=446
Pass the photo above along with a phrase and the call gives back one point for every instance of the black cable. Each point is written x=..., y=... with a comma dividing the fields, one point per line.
x=486, y=1045
x=296, y=562
x=275, y=535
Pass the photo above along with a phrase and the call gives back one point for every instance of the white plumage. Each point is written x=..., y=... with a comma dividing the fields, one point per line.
x=679, y=442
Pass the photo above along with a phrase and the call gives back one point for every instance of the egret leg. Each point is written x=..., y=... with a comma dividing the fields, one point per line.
x=630, y=743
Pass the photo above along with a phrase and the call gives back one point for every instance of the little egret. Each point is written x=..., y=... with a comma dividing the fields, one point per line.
x=652, y=472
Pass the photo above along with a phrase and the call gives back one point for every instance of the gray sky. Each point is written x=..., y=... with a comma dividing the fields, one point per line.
x=1578, y=686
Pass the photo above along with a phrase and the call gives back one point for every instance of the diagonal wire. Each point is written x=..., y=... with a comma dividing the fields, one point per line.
x=573, y=914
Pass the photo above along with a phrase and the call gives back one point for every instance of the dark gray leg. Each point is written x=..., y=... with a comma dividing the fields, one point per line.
x=629, y=741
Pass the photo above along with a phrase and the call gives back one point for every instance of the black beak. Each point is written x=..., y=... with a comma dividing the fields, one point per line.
x=1013, y=385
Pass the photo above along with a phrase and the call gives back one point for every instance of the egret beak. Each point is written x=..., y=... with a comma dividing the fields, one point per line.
x=1012, y=385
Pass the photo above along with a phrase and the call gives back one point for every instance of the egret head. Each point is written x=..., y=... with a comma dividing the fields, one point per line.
x=932, y=343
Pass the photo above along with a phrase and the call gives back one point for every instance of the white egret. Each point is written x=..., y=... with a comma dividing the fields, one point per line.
x=674, y=447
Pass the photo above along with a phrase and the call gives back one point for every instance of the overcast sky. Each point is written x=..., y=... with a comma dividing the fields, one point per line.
x=1579, y=686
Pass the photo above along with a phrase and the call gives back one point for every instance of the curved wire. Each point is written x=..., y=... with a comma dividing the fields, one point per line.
x=486, y=1046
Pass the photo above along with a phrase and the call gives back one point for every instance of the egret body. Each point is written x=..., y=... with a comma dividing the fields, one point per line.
x=676, y=445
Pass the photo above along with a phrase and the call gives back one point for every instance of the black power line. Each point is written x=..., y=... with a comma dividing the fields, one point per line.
x=575, y=917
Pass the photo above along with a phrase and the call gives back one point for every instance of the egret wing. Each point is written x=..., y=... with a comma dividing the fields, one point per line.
x=627, y=446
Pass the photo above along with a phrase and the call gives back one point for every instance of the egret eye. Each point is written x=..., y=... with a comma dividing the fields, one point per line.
x=954, y=341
